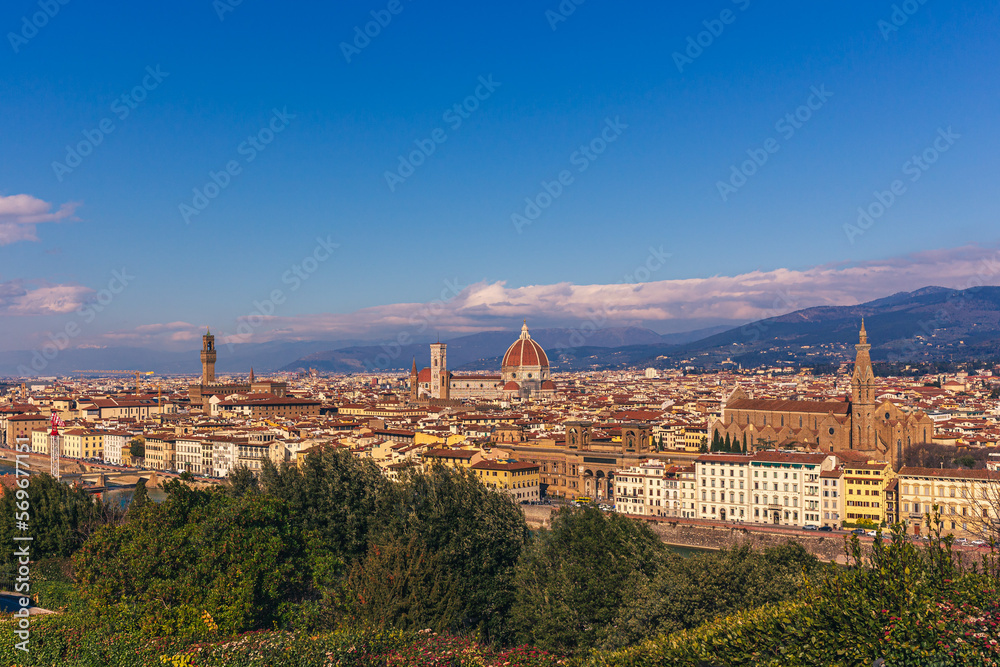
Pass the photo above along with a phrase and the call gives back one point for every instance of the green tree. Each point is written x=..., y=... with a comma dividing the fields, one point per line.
x=137, y=448
x=574, y=579
x=966, y=461
x=334, y=494
x=243, y=481
x=687, y=592
x=401, y=584
x=60, y=517
x=478, y=533
x=140, y=497
x=727, y=445
x=239, y=559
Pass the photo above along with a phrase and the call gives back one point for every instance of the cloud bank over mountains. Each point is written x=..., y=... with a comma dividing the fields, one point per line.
x=664, y=306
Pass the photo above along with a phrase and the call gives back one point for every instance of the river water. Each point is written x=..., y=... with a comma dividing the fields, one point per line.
x=120, y=497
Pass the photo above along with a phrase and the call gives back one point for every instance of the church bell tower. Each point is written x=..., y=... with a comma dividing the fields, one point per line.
x=863, y=396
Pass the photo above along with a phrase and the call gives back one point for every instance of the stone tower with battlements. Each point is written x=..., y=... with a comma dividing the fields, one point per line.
x=208, y=354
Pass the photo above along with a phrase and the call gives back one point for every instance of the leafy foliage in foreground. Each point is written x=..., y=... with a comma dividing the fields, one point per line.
x=237, y=558
x=599, y=581
x=74, y=641
x=910, y=606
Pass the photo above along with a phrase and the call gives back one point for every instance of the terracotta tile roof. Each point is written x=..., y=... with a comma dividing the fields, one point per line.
x=778, y=405
x=789, y=457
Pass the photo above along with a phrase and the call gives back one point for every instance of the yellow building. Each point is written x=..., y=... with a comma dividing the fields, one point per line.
x=40, y=440
x=517, y=479
x=161, y=451
x=443, y=440
x=83, y=444
x=453, y=458
x=864, y=492
x=968, y=500
x=694, y=438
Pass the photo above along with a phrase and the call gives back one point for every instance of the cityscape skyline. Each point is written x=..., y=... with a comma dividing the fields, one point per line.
x=700, y=166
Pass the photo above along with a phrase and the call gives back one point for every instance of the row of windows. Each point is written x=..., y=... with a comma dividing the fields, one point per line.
x=722, y=473
x=951, y=509
x=942, y=492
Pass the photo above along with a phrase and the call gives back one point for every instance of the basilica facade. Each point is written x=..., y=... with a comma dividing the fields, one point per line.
x=881, y=430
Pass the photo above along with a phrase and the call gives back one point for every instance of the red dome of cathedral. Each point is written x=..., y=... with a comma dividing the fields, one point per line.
x=525, y=352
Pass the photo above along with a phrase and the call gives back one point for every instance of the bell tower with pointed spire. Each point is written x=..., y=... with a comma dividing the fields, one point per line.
x=208, y=354
x=863, y=396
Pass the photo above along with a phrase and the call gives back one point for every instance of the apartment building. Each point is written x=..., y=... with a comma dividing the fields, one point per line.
x=968, y=500
x=687, y=488
x=786, y=487
x=865, y=492
x=161, y=451
x=723, y=486
x=649, y=488
x=82, y=443
x=115, y=442
x=224, y=456
x=832, y=488
x=517, y=479
x=190, y=457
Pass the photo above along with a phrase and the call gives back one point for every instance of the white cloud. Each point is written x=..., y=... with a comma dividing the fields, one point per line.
x=19, y=214
x=20, y=298
x=665, y=304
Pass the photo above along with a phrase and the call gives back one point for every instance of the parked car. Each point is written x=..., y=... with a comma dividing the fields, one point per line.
x=809, y=526
x=859, y=531
x=826, y=529
x=871, y=533
x=978, y=543
x=961, y=540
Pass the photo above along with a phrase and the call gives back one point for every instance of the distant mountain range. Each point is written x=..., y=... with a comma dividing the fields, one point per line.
x=933, y=324
x=483, y=351
x=930, y=324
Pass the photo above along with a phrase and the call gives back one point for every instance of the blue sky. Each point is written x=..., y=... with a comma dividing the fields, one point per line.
x=555, y=85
